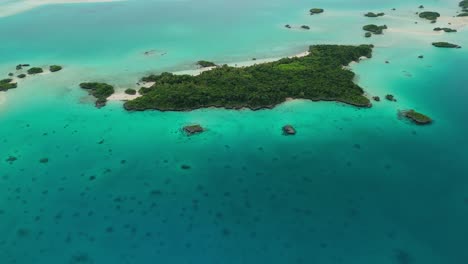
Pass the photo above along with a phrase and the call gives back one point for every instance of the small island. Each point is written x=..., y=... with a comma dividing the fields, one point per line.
x=374, y=28
x=463, y=14
x=315, y=11
x=7, y=84
x=445, y=45
x=390, y=98
x=372, y=14
x=318, y=76
x=55, y=68
x=289, y=130
x=205, y=64
x=305, y=27
x=429, y=15
x=447, y=30
x=99, y=90
x=35, y=70
x=193, y=129
x=417, y=118
x=368, y=35
x=130, y=91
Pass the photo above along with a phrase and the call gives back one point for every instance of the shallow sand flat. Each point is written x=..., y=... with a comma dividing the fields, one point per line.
x=21, y=6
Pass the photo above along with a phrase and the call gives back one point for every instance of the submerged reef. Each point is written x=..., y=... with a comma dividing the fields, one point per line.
x=205, y=64
x=319, y=76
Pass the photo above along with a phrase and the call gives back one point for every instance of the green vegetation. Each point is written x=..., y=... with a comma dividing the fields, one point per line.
x=368, y=35
x=429, y=15
x=55, y=68
x=99, y=90
x=35, y=70
x=390, y=97
x=445, y=45
x=416, y=117
x=6, y=84
x=448, y=30
x=315, y=11
x=463, y=4
x=464, y=14
x=21, y=76
x=374, y=28
x=305, y=27
x=372, y=14
x=204, y=64
x=317, y=76
x=130, y=91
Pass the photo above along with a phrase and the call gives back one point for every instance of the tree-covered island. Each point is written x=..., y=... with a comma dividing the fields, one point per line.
x=99, y=90
x=7, y=84
x=417, y=118
x=445, y=45
x=315, y=11
x=320, y=75
x=35, y=70
x=445, y=29
x=55, y=68
x=374, y=28
x=372, y=14
x=429, y=15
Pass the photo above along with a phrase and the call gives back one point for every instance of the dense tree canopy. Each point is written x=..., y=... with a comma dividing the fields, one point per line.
x=317, y=76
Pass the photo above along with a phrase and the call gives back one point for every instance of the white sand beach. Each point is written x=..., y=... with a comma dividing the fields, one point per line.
x=120, y=95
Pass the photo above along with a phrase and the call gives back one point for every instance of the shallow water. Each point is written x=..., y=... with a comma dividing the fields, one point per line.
x=353, y=186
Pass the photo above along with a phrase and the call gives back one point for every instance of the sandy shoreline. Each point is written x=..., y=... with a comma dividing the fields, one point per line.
x=10, y=9
x=120, y=95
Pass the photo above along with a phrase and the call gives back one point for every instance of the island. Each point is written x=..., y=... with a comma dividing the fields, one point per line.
x=318, y=76
x=463, y=4
x=447, y=30
x=372, y=14
x=314, y=11
x=205, y=64
x=417, y=118
x=368, y=35
x=130, y=91
x=429, y=15
x=55, y=68
x=21, y=76
x=99, y=90
x=374, y=28
x=289, y=130
x=193, y=129
x=35, y=70
x=305, y=27
x=390, y=98
x=464, y=14
x=7, y=84
x=445, y=45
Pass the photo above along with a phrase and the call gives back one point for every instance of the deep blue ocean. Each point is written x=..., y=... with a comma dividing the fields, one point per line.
x=354, y=186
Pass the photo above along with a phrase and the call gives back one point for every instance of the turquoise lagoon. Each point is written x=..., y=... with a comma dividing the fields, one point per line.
x=353, y=186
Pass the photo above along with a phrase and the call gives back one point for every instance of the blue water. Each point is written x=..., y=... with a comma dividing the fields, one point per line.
x=353, y=186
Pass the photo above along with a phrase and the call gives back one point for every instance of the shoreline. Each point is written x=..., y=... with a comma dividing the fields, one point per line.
x=11, y=9
x=122, y=96
x=269, y=107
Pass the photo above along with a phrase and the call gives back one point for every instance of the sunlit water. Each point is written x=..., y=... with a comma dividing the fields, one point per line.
x=353, y=186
